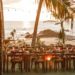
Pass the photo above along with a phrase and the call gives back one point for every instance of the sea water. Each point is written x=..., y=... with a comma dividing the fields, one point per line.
x=23, y=27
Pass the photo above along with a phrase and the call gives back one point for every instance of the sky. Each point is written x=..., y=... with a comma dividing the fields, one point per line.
x=24, y=10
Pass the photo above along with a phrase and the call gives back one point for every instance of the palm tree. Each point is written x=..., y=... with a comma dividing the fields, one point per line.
x=61, y=37
x=13, y=34
x=72, y=19
x=36, y=23
x=1, y=34
x=48, y=4
x=54, y=6
x=62, y=13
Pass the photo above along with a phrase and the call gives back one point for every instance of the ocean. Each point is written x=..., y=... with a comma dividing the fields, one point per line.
x=23, y=27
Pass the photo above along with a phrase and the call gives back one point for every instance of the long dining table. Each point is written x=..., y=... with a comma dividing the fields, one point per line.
x=67, y=58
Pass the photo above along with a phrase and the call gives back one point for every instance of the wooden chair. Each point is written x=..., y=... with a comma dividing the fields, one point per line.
x=40, y=60
x=58, y=63
x=27, y=60
x=16, y=58
x=4, y=61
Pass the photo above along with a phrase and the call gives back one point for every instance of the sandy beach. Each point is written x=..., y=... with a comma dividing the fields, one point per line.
x=49, y=41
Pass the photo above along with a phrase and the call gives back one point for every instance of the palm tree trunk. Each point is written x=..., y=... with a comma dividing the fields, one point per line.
x=36, y=23
x=1, y=35
x=72, y=22
x=63, y=33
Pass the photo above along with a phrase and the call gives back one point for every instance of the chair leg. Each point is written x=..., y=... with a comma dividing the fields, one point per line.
x=4, y=66
x=13, y=67
x=25, y=65
x=20, y=66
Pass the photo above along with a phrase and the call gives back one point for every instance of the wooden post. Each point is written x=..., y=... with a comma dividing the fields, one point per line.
x=1, y=36
x=36, y=23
